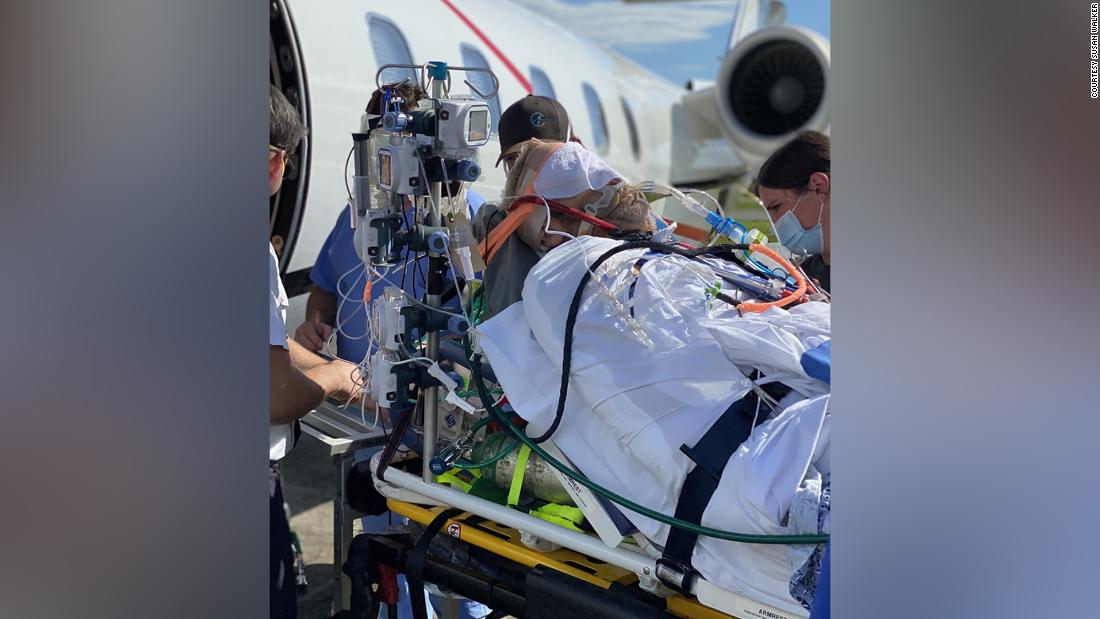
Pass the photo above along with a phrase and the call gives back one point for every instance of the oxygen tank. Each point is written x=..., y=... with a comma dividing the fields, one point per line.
x=538, y=481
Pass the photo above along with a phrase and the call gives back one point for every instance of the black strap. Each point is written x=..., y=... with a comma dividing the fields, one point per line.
x=361, y=568
x=710, y=455
x=414, y=563
x=635, y=270
x=394, y=440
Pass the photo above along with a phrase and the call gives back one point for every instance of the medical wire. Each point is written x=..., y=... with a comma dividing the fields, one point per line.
x=339, y=307
x=612, y=299
x=574, y=305
x=748, y=538
x=346, y=184
x=684, y=197
x=405, y=268
x=417, y=301
x=691, y=266
x=620, y=309
x=420, y=360
x=717, y=206
x=412, y=299
x=417, y=257
x=787, y=279
x=447, y=248
x=356, y=371
x=819, y=289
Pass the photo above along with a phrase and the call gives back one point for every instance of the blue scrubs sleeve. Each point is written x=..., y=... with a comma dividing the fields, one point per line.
x=473, y=202
x=324, y=272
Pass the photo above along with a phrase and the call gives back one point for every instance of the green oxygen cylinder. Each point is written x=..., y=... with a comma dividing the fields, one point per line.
x=539, y=479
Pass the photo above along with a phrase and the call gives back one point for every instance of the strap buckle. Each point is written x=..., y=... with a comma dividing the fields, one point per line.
x=676, y=574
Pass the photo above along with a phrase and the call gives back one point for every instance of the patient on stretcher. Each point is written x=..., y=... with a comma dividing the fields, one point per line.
x=659, y=357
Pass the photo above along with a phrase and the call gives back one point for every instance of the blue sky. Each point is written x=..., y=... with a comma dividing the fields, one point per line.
x=677, y=40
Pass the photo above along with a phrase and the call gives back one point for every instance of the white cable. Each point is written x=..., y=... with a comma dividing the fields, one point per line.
x=447, y=249
x=410, y=297
x=340, y=324
x=413, y=359
x=612, y=300
x=688, y=265
x=755, y=415
x=495, y=405
x=416, y=301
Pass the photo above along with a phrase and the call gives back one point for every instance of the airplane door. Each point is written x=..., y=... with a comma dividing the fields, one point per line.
x=288, y=75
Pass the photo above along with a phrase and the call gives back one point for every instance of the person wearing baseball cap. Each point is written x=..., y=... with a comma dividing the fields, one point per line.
x=554, y=191
x=531, y=117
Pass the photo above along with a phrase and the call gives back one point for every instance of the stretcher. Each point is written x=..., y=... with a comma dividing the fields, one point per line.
x=612, y=576
x=506, y=542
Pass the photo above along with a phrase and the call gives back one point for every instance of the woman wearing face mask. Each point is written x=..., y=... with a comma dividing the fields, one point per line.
x=793, y=185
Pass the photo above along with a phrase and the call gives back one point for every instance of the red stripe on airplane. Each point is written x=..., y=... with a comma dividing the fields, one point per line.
x=493, y=48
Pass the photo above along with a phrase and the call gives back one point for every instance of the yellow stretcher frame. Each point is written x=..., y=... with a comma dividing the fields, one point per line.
x=505, y=542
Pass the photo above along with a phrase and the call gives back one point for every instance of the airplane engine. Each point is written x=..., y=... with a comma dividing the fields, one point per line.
x=772, y=84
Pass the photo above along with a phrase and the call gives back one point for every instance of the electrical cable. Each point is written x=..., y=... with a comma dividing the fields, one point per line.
x=405, y=268
x=402, y=292
x=346, y=185
x=399, y=430
x=447, y=249
x=340, y=305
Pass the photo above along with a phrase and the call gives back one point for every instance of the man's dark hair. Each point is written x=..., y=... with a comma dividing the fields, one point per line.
x=286, y=125
x=409, y=92
x=791, y=166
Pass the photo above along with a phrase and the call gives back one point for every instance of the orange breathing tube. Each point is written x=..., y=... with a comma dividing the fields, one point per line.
x=494, y=241
x=787, y=266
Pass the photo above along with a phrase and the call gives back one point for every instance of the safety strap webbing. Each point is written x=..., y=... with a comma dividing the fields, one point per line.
x=518, y=474
x=414, y=564
x=710, y=455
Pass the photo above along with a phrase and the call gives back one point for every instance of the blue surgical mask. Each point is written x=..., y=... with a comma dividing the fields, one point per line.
x=797, y=239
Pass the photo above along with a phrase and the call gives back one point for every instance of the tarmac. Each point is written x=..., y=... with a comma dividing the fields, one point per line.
x=309, y=485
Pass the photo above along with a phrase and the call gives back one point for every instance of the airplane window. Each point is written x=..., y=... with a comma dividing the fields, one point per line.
x=390, y=47
x=540, y=83
x=597, y=118
x=473, y=58
x=632, y=127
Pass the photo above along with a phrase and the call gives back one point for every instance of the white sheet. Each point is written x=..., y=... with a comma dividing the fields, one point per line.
x=631, y=405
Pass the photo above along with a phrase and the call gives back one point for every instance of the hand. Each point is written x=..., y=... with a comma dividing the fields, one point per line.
x=346, y=390
x=340, y=382
x=312, y=335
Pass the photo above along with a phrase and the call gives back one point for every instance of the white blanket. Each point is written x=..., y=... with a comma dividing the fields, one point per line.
x=633, y=401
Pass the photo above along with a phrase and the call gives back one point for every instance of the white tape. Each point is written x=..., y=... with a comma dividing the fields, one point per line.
x=454, y=398
x=448, y=383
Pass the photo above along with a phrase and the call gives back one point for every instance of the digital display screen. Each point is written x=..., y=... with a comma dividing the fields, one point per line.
x=479, y=126
x=385, y=169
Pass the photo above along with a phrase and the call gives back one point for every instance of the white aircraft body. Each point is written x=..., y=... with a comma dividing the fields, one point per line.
x=324, y=56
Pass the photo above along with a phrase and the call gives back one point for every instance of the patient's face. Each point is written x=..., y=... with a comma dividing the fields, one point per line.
x=560, y=223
